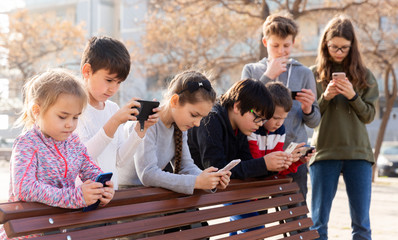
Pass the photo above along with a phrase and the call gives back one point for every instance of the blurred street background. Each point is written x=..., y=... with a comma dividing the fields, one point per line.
x=218, y=37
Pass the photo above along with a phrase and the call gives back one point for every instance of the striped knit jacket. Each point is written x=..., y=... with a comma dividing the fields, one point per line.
x=263, y=142
x=44, y=170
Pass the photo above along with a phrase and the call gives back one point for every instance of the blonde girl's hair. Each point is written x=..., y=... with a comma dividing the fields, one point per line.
x=191, y=87
x=44, y=90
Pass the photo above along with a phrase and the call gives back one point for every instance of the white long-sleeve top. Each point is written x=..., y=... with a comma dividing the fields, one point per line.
x=109, y=153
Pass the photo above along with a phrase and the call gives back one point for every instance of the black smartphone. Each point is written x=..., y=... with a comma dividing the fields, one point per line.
x=308, y=150
x=145, y=110
x=294, y=94
x=102, y=178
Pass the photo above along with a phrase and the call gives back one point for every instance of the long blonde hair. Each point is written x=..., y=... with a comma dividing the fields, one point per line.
x=44, y=90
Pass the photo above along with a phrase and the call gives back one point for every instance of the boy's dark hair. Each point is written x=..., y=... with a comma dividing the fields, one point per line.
x=281, y=95
x=280, y=26
x=251, y=94
x=107, y=53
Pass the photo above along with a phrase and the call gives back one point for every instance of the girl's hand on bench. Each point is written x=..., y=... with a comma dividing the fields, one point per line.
x=208, y=179
x=108, y=194
x=224, y=180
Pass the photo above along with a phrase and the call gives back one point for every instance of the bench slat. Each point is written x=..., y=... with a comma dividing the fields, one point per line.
x=227, y=227
x=186, y=218
x=20, y=227
x=15, y=210
x=308, y=235
x=276, y=230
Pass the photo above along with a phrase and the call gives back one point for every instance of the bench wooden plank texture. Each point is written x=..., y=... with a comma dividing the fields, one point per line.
x=145, y=210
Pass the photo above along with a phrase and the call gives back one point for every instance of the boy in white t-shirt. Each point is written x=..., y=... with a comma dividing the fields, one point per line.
x=105, y=65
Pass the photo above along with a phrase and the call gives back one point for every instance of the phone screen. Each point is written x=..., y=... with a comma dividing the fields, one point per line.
x=230, y=165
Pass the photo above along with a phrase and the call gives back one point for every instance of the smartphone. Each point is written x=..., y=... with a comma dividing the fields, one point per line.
x=308, y=150
x=294, y=94
x=102, y=178
x=230, y=165
x=338, y=75
x=291, y=147
x=145, y=110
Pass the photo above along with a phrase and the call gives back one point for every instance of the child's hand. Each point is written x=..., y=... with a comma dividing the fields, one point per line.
x=276, y=67
x=127, y=112
x=331, y=91
x=305, y=159
x=307, y=98
x=278, y=161
x=92, y=191
x=208, y=179
x=224, y=179
x=109, y=192
x=298, y=152
x=345, y=88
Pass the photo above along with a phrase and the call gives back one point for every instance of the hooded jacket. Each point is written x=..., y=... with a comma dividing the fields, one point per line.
x=295, y=78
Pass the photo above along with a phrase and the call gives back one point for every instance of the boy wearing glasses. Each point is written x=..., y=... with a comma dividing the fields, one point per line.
x=269, y=139
x=279, y=33
x=222, y=135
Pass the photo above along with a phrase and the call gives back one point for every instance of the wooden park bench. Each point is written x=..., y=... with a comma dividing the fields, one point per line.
x=145, y=209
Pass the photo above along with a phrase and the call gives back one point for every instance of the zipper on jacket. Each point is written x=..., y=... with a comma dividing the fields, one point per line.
x=66, y=163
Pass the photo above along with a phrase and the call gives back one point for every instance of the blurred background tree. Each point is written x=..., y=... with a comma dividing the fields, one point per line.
x=379, y=39
x=221, y=36
x=32, y=40
x=218, y=35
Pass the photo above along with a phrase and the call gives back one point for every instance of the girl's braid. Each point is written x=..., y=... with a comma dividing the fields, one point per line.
x=178, y=148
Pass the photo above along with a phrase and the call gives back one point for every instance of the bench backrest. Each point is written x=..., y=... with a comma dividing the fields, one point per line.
x=145, y=210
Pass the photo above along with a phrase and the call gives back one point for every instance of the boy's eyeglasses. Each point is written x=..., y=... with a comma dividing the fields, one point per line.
x=335, y=49
x=257, y=118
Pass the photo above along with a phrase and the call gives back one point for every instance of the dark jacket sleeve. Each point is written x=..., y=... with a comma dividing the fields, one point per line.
x=210, y=146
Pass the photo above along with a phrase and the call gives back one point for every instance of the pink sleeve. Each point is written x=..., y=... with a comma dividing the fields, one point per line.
x=25, y=184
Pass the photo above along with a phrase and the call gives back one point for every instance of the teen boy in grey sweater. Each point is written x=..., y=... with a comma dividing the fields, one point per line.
x=279, y=33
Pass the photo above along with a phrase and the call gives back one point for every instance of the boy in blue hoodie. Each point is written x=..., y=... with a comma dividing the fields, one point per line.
x=279, y=33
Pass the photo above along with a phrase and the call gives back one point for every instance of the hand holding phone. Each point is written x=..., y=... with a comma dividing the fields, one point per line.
x=294, y=94
x=145, y=110
x=230, y=165
x=291, y=147
x=102, y=178
x=308, y=149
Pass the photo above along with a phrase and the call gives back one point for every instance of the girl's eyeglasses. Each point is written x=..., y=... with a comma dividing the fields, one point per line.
x=257, y=118
x=335, y=49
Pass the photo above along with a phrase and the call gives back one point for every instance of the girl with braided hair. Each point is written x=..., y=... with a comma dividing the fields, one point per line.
x=189, y=98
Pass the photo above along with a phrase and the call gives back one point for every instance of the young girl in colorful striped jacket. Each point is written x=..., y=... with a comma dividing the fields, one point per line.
x=47, y=157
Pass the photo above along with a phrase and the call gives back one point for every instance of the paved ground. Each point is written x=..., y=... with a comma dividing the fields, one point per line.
x=383, y=211
x=384, y=208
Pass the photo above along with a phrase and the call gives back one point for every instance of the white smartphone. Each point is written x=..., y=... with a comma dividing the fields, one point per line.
x=291, y=147
x=230, y=165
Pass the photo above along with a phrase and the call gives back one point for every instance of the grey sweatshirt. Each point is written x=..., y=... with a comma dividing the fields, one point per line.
x=295, y=78
x=156, y=152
